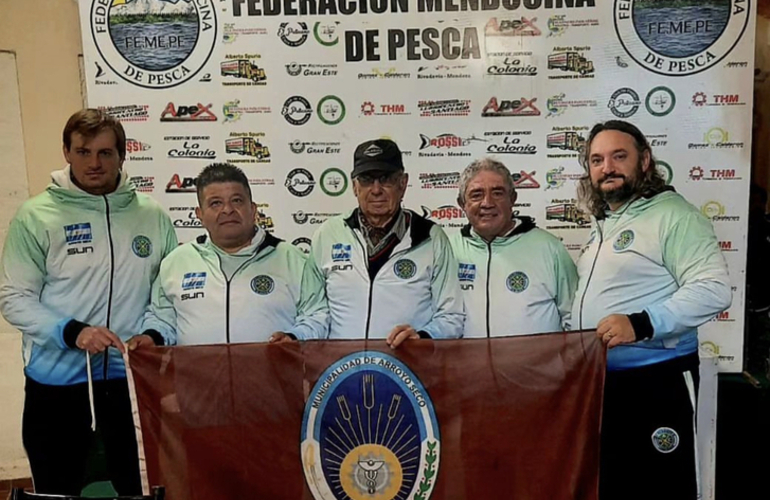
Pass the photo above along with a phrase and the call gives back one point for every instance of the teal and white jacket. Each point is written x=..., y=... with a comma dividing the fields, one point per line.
x=657, y=260
x=416, y=286
x=197, y=300
x=518, y=284
x=73, y=259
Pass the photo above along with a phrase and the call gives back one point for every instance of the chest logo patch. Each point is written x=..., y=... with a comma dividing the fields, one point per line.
x=262, y=284
x=142, y=246
x=405, y=268
x=624, y=240
x=517, y=282
x=665, y=439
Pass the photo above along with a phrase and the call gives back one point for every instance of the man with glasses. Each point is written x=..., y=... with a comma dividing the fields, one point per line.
x=382, y=271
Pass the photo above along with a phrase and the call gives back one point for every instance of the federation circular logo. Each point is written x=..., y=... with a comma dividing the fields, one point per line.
x=624, y=240
x=517, y=282
x=303, y=244
x=334, y=182
x=262, y=284
x=326, y=33
x=297, y=110
x=405, y=268
x=300, y=182
x=331, y=110
x=712, y=209
x=370, y=432
x=665, y=439
x=665, y=171
x=680, y=38
x=154, y=44
x=624, y=102
x=293, y=34
x=142, y=246
x=660, y=101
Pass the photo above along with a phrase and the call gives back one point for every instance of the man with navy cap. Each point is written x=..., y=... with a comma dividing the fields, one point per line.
x=382, y=271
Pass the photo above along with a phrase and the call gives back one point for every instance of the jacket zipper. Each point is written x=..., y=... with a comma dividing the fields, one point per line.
x=590, y=275
x=489, y=274
x=112, y=276
x=227, y=293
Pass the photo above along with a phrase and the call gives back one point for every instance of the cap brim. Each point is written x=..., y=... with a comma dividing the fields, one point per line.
x=374, y=167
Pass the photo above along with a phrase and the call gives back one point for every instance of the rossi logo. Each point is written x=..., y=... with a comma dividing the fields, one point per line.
x=154, y=44
x=680, y=38
x=374, y=464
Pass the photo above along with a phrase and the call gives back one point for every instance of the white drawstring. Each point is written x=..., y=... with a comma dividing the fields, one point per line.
x=91, y=391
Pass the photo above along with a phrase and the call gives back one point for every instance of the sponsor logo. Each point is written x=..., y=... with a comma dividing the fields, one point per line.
x=143, y=184
x=558, y=104
x=141, y=246
x=263, y=220
x=78, y=233
x=185, y=218
x=331, y=110
x=297, y=69
x=314, y=148
x=525, y=180
x=555, y=178
x=128, y=113
x=445, y=145
x=512, y=64
x=312, y=218
x=231, y=32
x=568, y=140
x=370, y=467
x=446, y=216
x=510, y=143
x=196, y=113
x=133, y=146
x=297, y=110
x=701, y=99
x=723, y=317
x=665, y=171
x=232, y=110
x=624, y=102
x=624, y=240
x=443, y=72
x=559, y=24
x=444, y=180
x=384, y=74
x=262, y=284
x=192, y=282
x=334, y=182
x=244, y=69
x=300, y=182
x=511, y=27
x=448, y=107
x=405, y=268
x=570, y=60
x=665, y=439
x=466, y=273
x=716, y=138
x=658, y=140
x=293, y=34
x=727, y=246
x=660, y=101
x=262, y=182
x=154, y=44
x=303, y=244
x=99, y=74
x=680, y=38
x=714, y=350
x=249, y=146
x=517, y=282
x=180, y=184
x=368, y=108
x=327, y=34
x=516, y=107
x=714, y=174
x=192, y=149
x=717, y=212
x=341, y=255
x=566, y=211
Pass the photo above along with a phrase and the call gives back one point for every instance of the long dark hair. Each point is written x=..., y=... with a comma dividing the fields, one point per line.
x=650, y=183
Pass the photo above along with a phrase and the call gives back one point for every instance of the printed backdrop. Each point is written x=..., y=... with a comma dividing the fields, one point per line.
x=287, y=89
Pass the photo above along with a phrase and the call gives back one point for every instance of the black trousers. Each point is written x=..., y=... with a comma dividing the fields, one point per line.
x=648, y=432
x=56, y=430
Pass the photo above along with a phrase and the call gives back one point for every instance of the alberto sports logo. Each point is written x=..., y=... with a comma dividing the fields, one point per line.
x=680, y=38
x=370, y=432
x=154, y=44
x=78, y=233
x=623, y=241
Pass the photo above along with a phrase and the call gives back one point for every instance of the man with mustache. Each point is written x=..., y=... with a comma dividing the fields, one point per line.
x=381, y=271
x=237, y=283
x=650, y=274
x=516, y=278
x=78, y=265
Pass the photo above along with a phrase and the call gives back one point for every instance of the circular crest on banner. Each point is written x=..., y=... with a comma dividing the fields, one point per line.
x=331, y=110
x=680, y=38
x=297, y=110
x=303, y=243
x=369, y=432
x=334, y=182
x=293, y=34
x=154, y=44
x=300, y=182
x=624, y=102
x=665, y=171
x=660, y=101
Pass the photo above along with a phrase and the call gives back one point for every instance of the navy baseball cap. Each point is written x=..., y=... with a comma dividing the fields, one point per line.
x=379, y=155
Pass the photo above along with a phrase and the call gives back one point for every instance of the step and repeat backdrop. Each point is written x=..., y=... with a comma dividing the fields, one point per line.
x=286, y=89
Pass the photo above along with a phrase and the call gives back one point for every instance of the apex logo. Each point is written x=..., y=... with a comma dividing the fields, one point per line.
x=514, y=107
x=197, y=113
x=181, y=185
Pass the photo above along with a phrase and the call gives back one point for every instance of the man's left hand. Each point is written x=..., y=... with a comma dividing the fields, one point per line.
x=615, y=329
x=400, y=334
x=140, y=341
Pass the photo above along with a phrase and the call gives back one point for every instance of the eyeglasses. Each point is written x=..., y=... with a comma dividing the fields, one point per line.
x=384, y=179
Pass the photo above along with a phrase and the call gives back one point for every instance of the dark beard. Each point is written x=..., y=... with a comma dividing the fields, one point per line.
x=630, y=188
